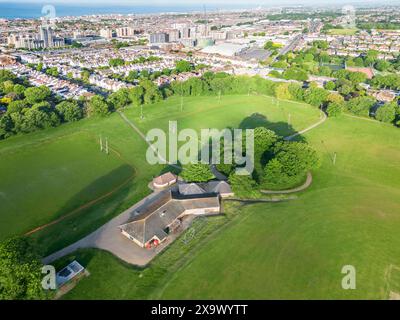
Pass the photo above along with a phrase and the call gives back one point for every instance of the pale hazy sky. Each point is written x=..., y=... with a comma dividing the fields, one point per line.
x=201, y=2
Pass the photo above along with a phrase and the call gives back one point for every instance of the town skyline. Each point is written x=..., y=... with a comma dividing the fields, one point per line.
x=269, y=3
x=197, y=150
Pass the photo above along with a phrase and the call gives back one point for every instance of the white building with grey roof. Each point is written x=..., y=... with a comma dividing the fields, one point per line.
x=153, y=221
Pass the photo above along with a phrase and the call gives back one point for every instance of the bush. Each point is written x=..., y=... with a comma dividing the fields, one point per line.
x=334, y=109
x=387, y=113
x=275, y=177
x=360, y=105
x=296, y=158
x=244, y=186
x=197, y=173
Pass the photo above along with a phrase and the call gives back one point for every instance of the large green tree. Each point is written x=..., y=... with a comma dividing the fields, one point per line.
x=296, y=158
x=136, y=95
x=151, y=92
x=197, y=173
x=360, y=105
x=6, y=126
x=315, y=96
x=387, y=112
x=20, y=271
x=119, y=99
x=17, y=106
x=335, y=109
x=97, y=106
x=69, y=111
x=37, y=94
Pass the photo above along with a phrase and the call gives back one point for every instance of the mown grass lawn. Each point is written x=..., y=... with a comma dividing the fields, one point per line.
x=42, y=182
x=48, y=174
x=343, y=32
x=288, y=250
x=235, y=111
x=350, y=216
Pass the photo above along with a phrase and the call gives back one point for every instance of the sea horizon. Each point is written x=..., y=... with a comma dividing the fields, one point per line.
x=11, y=10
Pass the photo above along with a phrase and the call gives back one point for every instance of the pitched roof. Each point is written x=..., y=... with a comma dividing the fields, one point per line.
x=219, y=187
x=190, y=188
x=165, y=178
x=152, y=218
x=367, y=71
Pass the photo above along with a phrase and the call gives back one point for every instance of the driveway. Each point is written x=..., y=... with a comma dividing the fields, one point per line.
x=109, y=238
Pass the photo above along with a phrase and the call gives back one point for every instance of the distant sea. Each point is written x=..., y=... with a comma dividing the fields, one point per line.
x=34, y=10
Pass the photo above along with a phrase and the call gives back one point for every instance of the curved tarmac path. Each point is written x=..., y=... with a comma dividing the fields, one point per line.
x=304, y=186
x=110, y=239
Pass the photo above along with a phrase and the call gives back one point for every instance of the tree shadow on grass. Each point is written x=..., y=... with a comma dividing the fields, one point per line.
x=253, y=121
x=96, y=190
x=85, y=211
x=175, y=169
x=281, y=128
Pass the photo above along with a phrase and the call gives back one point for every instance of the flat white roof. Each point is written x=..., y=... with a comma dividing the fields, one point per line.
x=225, y=49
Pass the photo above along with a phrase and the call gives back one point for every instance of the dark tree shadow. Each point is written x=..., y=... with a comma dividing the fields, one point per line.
x=175, y=169
x=281, y=128
x=86, y=211
x=114, y=178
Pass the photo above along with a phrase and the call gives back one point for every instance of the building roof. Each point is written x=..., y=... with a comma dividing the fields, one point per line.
x=219, y=187
x=367, y=71
x=154, y=217
x=211, y=187
x=190, y=188
x=165, y=178
x=385, y=95
x=69, y=272
x=225, y=49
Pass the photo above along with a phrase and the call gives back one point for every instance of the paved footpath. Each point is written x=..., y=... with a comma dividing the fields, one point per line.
x=304, y=186
x=324, y=117
x=109, y=238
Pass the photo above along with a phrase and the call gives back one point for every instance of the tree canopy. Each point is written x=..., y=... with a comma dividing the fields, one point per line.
x=20, y=271
x=197, y=173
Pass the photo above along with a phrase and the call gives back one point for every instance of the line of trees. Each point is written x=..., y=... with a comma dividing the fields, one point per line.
x=28, y=109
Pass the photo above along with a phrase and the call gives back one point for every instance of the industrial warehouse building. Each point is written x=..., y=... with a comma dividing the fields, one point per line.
x=225, y=49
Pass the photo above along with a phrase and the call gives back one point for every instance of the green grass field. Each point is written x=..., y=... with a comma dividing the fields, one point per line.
x=49, y=174
x=231, y=111
x=294, y=250
x=343, y=32
x=351, y=215
x=42, y=182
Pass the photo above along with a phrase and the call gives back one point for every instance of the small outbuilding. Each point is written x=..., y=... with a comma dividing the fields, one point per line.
x=68, y=273
x=165, y=180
